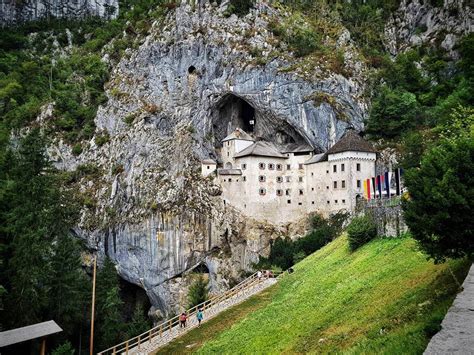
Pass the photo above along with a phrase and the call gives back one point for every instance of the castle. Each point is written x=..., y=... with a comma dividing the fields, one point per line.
x=281, y=183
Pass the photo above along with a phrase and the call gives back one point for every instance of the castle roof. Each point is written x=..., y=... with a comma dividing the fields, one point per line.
x=351, y=142
x=238, y=134
x=316, y=158
x=208, y=162
x=263, y=149
x=229, y=172
x=296, y=148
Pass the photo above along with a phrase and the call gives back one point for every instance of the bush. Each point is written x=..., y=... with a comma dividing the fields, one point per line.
x=77, y=149
x=198, y=292
x=360, y=231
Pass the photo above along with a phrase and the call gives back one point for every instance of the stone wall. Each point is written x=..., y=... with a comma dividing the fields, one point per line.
x=387, y=214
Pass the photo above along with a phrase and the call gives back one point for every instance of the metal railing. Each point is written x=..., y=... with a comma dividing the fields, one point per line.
x=169, y=324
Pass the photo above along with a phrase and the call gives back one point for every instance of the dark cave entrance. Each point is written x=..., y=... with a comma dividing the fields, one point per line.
x=201, y=269
x=133, y=296
x=233, y=112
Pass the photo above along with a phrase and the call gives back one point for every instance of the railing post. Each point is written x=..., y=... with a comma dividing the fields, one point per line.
x=150, y=334
x=139, y=342
x=161, y=330
x=126, y=347
x=114, y=351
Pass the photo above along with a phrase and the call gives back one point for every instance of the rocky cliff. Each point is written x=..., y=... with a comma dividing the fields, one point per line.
x=419, y=22
x=14, y=11
x=148, y=208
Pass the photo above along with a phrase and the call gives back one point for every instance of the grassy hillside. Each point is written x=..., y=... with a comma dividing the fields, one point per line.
x=384, y=298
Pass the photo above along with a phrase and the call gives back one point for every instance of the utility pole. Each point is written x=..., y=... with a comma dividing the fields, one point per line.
x=93, y=306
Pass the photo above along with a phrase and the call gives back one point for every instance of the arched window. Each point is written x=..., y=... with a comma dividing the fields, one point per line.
x=228, y=165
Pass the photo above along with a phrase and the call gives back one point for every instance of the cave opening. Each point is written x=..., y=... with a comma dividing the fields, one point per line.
x=133, y=296
x=191, y=69
x=201, y=269
x=233, y=112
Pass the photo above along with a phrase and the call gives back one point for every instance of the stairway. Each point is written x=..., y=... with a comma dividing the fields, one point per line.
x=169, y=330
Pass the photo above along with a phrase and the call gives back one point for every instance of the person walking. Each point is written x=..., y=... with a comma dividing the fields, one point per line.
x=182, y=320
x=199, y=316
x=259, y=275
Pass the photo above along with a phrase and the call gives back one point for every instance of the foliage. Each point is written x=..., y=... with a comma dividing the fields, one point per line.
x=109, y=322
x=386, y=295
x=41, y=272
x=198, y=292
x=64, y=349
x=439, y=210
x=284, y=252
x=360, y=231
x=239, y=7
x=139, y=323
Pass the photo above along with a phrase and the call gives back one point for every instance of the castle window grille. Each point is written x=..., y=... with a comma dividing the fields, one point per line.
x=261, y=166
x=271, y=166
x=262, y=191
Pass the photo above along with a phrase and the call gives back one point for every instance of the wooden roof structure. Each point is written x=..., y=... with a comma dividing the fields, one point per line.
x=30, y=332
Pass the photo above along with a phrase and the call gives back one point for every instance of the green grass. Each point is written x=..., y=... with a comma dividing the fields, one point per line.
x=383, y=298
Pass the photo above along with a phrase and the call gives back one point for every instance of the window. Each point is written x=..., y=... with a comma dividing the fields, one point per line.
x=279, y=167
x=343, y=201
x=327, y=187
x=312, y=174
x=327, y=171
x=343, y=184
x=335, y=184
x=359, y=184
x=287, y=192
x=342, y=167
x=289, y=201
x=271, y=166
x=312, y=189
x=300, y=179
x=228, y=154
x=244, y=166
x=262, y=191
x=301, y=192
x=261, y=165
x=300, y=166
x=245, y=178
x=358, y=167
x=230, y=180
x=288, y=166
x=208, y=167
x=261, y=178
x=279, y=192
x=288, y=178
x=312, y=202
x=279, y=179
x=335, y=201
x=334, y=168
x=327, y=202
x=300, y=203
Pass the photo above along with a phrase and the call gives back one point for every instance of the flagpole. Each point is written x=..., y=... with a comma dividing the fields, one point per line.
x=93, y=307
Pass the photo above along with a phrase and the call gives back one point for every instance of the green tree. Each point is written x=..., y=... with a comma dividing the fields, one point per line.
x=109, y=322
x=198, y=292
x=440, y=207
x=360, y=231
x=139, y=323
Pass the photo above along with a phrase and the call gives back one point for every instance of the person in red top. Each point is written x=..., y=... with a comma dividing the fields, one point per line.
x=182, y=320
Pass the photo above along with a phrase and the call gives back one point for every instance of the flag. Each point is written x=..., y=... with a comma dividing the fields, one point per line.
x=387, y=183
x=397, y=181
x=379, y=185
x=365, y=190
x=374, y=187
x=368, y=189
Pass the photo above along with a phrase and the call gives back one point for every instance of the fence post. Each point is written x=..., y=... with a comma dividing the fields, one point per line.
x=126, y=347
x=139, y=342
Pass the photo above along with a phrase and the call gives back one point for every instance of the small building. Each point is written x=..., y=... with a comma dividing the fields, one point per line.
x=282, y=183
x=208, y=166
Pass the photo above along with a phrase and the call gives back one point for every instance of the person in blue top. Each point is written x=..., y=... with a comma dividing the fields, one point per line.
x=199, y=316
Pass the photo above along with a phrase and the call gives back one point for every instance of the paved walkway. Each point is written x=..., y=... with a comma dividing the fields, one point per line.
x=457, y=333
x=167, y=336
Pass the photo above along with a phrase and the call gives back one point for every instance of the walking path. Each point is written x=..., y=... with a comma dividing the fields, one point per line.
x=158, y=342
x=457, y=333
x=162, y=334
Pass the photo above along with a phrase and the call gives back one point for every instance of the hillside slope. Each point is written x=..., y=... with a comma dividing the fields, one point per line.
x=385, y=297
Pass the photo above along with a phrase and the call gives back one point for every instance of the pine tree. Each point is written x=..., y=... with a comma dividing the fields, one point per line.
x=109, y=322
x=198, y=292
x=139, y=323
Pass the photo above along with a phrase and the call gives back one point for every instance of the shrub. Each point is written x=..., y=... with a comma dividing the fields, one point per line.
x=77, y=149
x=360, y=231
x=198, y=291
x=102, y=138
